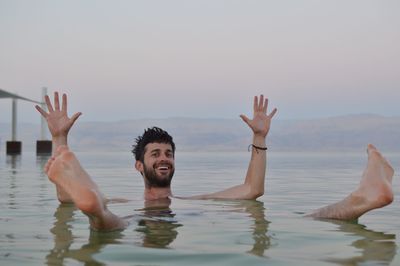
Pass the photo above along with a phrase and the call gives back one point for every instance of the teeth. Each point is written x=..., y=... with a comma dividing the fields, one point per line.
x=163, y=168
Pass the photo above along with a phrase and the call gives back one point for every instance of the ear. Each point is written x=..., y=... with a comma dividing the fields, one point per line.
x=139, y=166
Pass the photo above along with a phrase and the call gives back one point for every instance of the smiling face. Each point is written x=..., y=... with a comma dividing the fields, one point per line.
x=158, y=165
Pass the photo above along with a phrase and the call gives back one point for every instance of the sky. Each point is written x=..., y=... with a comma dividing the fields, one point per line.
x=120, y=60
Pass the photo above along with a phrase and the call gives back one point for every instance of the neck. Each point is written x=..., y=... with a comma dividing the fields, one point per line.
x=154, y=193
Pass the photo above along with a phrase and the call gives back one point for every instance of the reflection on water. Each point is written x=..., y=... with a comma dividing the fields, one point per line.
x=157, y=224
x=374, y=246
x=64, y=238
x=41, y=160
x=14, y=164
x=62, y=234
x=260, y=229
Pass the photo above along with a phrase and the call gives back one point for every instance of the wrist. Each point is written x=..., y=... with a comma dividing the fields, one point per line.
x=256, y=148
x=60, y=140
x=259, y=140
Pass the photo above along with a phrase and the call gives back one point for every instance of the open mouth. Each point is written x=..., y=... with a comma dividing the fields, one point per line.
x=163, y=167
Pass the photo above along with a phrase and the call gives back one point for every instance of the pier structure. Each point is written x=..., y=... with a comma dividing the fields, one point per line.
x=13, y=146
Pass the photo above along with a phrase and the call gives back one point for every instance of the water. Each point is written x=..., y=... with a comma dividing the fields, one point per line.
x=36, y=230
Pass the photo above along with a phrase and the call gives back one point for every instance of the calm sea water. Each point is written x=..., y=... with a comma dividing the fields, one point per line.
x=36, y=230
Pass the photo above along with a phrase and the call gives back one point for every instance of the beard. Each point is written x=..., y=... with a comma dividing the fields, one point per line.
x=152, y=179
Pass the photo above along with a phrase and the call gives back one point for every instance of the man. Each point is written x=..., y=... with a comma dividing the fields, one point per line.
x=155, y=153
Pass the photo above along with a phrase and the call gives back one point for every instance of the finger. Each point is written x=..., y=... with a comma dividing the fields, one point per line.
x=41, y=111
x=48, y=103
x=56, y=102
x=245, y=119
x=273, y=112
x=265, y=107
x=75, y=117
x=260, y=104
x=255, y=103
x=64, y=103
x=48, y=163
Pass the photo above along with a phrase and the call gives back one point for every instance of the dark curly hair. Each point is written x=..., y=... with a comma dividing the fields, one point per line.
x=151, y=135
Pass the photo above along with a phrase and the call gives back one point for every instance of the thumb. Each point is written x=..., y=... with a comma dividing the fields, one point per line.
x=75, y=117
x=41, y=111
x=245, y=119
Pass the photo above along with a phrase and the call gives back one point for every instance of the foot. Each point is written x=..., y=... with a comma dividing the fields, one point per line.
x=375, y=189
x=64, y=170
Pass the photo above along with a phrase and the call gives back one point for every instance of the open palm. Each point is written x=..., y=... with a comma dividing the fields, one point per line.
x=261, y=121
x=57, y=119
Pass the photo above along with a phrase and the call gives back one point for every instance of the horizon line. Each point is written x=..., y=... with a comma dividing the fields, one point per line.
x=224, y=118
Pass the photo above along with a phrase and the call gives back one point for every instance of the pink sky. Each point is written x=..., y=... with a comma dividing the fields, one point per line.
x=138, y=59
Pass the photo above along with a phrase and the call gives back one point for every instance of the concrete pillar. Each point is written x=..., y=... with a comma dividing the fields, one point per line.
x=14, y=120
x=42, y=120
x=43, y=146
x=14, y=146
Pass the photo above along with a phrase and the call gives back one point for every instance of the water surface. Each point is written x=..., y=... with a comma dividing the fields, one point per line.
x=36, y=230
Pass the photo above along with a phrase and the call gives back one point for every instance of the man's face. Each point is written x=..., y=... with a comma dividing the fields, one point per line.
x=159, y=165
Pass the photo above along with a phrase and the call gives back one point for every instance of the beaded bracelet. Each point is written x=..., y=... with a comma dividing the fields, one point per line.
x=257, y=148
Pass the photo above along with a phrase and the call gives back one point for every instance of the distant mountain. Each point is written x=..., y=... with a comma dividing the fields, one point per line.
x=347, y=133
x=350, y=132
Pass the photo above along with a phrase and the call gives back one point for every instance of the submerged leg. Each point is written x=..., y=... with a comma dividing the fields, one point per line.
x=374, y=191
x=66, y=172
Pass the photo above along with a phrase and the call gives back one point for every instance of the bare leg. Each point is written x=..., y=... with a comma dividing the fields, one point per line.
x=66, y=172
x=374, y=191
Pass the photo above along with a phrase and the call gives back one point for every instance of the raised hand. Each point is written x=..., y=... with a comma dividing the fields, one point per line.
x=57, y=119
x=261, y=121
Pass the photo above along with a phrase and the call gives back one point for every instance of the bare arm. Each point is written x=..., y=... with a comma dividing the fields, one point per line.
x=59, y=125
x=253, y=186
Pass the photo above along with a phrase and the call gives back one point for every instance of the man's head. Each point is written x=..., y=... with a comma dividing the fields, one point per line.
x=154, y=153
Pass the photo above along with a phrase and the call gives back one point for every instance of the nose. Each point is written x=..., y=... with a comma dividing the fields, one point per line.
x=164, y=158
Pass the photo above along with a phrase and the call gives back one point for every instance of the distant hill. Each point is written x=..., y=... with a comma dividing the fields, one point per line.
x=347, y=133
x=350, y=132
